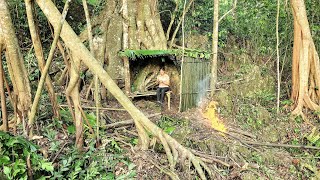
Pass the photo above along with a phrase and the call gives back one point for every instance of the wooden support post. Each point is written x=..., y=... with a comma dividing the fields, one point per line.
x=168, y=93
x=127, y=77
x=125, y=39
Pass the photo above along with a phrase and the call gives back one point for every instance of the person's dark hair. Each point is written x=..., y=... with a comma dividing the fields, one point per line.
x=162, y=68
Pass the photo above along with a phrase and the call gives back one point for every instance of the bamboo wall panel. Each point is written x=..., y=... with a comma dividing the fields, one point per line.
x=195, y=82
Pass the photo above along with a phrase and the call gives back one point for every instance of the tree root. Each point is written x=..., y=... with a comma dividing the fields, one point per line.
x=168, y=172
x=11, y=124
x=174, y=150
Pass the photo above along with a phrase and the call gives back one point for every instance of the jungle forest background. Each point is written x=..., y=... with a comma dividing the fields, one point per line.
x=76, y=78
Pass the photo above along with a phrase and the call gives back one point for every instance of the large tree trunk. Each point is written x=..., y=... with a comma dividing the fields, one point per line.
x=305, y=62
x=16, y=68
x=172, y=147
x=137, y=24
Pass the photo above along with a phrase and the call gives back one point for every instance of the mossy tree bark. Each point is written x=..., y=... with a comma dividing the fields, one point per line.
x=16, y=68
x=305, y=63
x=172, y=148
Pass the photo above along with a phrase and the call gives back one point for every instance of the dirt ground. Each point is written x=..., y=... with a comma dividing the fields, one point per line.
x=227, y=153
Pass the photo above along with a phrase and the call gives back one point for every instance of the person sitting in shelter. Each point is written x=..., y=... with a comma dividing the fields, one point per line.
x=164, y=83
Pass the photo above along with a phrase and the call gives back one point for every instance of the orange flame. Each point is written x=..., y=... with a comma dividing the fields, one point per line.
x=210, y=114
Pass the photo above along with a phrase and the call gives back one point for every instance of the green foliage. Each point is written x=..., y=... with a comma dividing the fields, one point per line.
x=313, y=13
x=314, y=137
x=14, y=152
x=32, y=64
x=288, y=102
x=169, y=124
x=113, y=147
x=134, y=141
x=66, y=119
x=251, y=115
x=95, y=164
x=257, y=158
x=252, y=21
x=265, y=97
x=298, y=119
x=93, y=2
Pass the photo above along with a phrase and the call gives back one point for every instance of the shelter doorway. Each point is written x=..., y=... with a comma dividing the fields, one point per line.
x=189, y=72
x=145, y=70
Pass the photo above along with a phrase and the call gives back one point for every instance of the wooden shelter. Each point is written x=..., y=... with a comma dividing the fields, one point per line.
x=194, y=72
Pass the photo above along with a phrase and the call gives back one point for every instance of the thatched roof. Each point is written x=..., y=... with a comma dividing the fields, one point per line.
x=140, y=54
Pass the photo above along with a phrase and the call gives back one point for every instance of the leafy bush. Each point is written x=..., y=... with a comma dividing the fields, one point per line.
x=95, y=164
x=15, y=151
x=107, y=163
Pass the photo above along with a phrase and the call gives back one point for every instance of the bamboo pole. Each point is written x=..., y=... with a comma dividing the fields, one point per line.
x=182, y=60
x=278, y=57
x=125, y=42
x=46, y=68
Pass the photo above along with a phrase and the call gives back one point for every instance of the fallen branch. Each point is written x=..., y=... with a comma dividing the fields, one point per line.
x=209, y=159
x=101, y=109
x=269, y=144
x=236, y=138
x=60, y=150
x=251, y=165
x=242, y=132
x=126, y=122
x=168, y=172
x=282, y=145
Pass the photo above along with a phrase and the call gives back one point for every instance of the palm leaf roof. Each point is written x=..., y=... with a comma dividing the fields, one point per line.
x=138, y=54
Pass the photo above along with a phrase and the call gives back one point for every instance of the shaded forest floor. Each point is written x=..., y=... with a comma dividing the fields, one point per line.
x=227, y=154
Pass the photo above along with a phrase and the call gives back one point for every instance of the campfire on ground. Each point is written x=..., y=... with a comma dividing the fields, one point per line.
x=208, y=111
